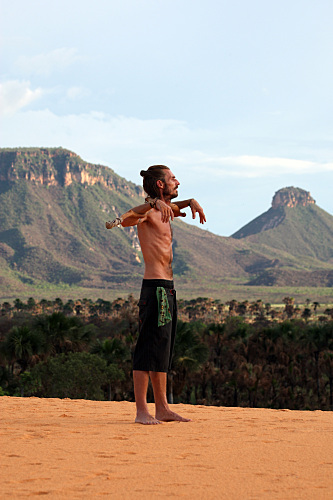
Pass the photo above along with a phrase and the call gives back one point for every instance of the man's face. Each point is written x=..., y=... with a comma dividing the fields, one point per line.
x=170, y=185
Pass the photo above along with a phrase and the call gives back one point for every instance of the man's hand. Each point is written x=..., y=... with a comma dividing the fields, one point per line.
x=195, y=207
x=166, y=210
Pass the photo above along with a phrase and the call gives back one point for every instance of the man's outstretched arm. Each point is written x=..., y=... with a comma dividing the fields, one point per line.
x=194, y=206
x=138, y=214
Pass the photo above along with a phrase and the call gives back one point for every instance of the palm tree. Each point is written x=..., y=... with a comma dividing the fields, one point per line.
x=268, y=308
x=242, y=308
x=22, y=345
x=6, y=308
x=45, y=304
x=64, y=334
x=189, y=355
x=19, y=305
x=315, y=306
x=214, y=338
x=328, y=370
x=103, y=307
x=117, y=355
x=232, y=306
x=289, y=306
x=80, y=336
x=58, y=304
x=31, y=304
x=68, y=308
x=318, y=338
x=306, y=314
x=112, y=350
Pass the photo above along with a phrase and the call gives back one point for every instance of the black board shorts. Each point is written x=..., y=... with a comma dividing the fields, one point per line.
x=154, y=348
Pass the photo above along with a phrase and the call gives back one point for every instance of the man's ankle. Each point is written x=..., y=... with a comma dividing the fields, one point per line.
x=142, y=410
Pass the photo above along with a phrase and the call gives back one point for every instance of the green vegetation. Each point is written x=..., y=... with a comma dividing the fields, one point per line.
x=233, y=354
x=76, y=375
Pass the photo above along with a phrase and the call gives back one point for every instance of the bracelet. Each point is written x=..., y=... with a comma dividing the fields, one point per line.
x=151, y=201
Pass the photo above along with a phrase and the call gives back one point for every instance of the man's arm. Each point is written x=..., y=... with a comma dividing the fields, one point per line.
x=195, y=208
x=138, y=214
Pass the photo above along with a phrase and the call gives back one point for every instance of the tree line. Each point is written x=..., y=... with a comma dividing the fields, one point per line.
x=233, y=354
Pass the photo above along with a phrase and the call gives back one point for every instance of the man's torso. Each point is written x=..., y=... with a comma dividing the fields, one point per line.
x=156, y=244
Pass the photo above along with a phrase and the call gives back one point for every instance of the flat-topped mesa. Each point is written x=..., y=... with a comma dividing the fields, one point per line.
x=292, y=197
x=57, y=166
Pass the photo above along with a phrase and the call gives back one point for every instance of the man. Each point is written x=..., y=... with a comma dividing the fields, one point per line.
x=157, y=305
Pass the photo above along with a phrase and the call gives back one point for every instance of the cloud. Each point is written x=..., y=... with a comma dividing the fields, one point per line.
x=248, y=166
x=76, y=93
x=96, y=136
x=15, y=95
x=261, y=166
x=128, y=143
x=46, y=63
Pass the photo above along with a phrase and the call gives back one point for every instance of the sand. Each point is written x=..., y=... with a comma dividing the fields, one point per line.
x=88, y=449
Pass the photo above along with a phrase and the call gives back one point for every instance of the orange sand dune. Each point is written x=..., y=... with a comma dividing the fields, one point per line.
x=87, y=449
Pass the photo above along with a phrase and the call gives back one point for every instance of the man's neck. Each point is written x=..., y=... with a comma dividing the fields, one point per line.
x=166, y=199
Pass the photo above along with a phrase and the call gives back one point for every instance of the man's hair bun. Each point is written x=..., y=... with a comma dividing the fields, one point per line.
x=143, y=173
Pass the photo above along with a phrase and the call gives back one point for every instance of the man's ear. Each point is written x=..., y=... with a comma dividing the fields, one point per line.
x=160, y=184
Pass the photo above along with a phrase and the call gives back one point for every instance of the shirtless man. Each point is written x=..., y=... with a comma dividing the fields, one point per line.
x=157, y=305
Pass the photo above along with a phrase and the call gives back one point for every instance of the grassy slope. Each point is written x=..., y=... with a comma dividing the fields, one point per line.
x=59, y=234
x=305, y=231
x=302, y=243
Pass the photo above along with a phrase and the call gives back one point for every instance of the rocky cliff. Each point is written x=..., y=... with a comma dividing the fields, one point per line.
x=58, y=166
x=292, y=197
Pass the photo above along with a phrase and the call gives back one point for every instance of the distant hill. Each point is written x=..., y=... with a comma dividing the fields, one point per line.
x=53, y=208
x=295, y=225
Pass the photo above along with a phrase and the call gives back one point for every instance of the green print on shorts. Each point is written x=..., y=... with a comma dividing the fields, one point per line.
x=164, y=315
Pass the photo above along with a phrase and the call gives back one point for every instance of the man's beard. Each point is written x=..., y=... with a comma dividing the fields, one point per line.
x=167, y=193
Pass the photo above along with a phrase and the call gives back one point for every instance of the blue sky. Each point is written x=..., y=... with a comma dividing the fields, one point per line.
x=235, y=96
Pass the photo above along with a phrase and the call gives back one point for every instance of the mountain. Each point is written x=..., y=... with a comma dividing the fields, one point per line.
x=53, y=208
x=295, y=225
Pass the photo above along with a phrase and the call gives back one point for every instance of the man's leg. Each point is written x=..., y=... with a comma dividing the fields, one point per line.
x=141, y=379
x=162, y=410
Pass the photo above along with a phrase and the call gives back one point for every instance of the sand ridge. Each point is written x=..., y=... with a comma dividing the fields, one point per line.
x=87, y=449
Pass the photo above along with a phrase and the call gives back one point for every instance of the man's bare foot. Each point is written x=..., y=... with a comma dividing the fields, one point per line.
x=146, y=419
x=167, y=415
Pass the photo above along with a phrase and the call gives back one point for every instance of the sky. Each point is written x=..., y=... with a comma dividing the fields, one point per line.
x=234, y=96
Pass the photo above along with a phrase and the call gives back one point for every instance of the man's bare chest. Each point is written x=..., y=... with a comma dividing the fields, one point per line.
x=157, y=232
